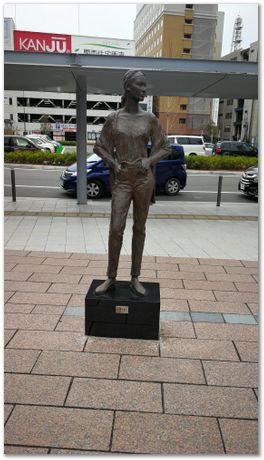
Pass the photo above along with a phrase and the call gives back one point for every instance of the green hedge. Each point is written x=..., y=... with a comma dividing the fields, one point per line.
x=67, y=142
x=202, y=162
x=28, y=157
x=216, y=162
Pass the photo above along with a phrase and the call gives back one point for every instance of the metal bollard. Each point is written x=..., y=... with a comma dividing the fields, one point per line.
x=220, y=182
x=13, y=184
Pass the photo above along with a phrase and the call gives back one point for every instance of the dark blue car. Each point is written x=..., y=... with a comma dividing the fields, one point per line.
x=170, y=175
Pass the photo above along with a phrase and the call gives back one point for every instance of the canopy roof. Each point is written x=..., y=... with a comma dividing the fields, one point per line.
x=103, y=74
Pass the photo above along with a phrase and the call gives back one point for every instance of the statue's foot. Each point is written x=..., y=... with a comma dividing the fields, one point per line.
x=105, y=286
x=138, y=287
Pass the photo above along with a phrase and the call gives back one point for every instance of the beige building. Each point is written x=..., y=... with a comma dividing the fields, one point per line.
x=179, y=31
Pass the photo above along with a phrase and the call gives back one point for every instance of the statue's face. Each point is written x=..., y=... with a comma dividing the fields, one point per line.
x=136, y=88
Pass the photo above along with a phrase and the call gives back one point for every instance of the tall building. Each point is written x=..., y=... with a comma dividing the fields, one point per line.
x=179, y=31
x=28, y=111
x=238, y=118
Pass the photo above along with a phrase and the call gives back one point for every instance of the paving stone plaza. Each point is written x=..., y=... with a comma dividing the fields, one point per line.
x=192, y=392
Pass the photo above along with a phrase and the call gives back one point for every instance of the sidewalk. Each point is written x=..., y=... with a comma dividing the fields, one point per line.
x=192, y=392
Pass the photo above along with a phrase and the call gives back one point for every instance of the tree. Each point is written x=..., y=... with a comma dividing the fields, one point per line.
x=45, y=124
x=211, y=130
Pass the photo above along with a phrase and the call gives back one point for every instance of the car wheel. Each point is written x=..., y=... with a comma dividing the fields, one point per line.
x=95, y=189
x=192, y=155
x=172, y=186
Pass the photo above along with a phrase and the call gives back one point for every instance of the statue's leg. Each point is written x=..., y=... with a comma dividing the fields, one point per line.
x=141, y=200
x=121, y=199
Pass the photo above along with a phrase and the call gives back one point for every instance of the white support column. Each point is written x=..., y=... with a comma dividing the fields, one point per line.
x=81, y=139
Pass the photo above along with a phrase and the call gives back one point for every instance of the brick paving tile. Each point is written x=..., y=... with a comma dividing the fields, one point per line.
x=20, y=360
x=229, y=262
x=210, y=401
x=236, y=296
x=122, y=346
x=7, y=411
x=16, y=276
x=202, y=268
x=36, y=389
x=82, y=271
x=164, y=283
x=230, y=277
x=254, y=307
x=37, y=268
x=249, y=263
x=231, y=374
x=78, y=364
x=31, y=322
x=227, y=331
x=77, y=300
x=52, y=254
x=182, y=329
x=8, y=334
x=53, y=278
x=49, y=340
x=165, y=434
x=242, y=270
x=40, y=298
x=176, y=284
x=102, y=257
x=116, y=395
x=71, y=323
x=8, y=267
x=66, y=262
x=8, y=295
x=200, y=349
x=24, y=260
x=77, y=452
x=59, y=427
x=240, y=436
x=218, y=307
x=247, y=287
x=186, y=294
x=26, y=286
x=25, y=450
x=209, y=285
x=174, y=305
x=248, y=351
x=181, y=275
x=15, y=252
x=69, y=288
x=48, y=309
x=177, y=260
x=161, y=369
x=18, y=308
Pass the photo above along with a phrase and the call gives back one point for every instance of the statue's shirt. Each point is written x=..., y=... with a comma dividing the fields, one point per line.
x=125, y=136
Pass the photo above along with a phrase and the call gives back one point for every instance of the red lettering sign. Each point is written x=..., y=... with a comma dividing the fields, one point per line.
x=35, y=42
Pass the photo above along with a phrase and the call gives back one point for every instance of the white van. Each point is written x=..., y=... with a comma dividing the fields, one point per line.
x=192, y=145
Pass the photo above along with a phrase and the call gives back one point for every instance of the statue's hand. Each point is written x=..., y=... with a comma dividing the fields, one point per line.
x=117, y=167
x=145, y=164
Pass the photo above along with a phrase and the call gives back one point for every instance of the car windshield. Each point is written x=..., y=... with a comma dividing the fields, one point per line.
x=92, y=158
x=37, y=140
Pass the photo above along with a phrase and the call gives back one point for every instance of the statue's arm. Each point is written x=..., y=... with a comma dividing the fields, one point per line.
x=160, y=146
x=104, y=146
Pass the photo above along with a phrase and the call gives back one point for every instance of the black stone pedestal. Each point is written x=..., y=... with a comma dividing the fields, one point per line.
x=121, y=313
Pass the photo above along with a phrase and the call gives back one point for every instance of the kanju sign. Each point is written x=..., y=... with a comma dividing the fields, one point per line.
x=41, y=43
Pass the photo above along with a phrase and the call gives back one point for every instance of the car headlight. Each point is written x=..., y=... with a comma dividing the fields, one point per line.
x=88, y=171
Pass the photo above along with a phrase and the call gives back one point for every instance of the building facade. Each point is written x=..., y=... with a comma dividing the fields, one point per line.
x=238, y=118
x=33, y=112
x=180, y=31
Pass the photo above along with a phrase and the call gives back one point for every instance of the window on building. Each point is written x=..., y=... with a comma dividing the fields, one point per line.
x=187, y=21
x=186, y=50
x=227, y=129
x=189, y=7
x=187, y=36
x=182, y=121
x=229, y=102
x=228, y=115
x=10, y=101
x=183, y=107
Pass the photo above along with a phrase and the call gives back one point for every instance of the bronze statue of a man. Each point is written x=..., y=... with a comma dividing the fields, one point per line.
x=123, y=147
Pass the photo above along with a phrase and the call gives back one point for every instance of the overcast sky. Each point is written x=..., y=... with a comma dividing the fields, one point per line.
x=114, y=19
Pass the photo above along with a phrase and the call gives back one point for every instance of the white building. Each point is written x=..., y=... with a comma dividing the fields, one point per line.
x=31, y=111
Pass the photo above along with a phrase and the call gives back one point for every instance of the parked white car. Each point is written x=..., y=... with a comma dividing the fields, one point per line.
x=41, y=143
x=192, y=145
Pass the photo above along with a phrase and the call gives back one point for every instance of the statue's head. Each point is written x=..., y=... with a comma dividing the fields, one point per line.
x=134, y=82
